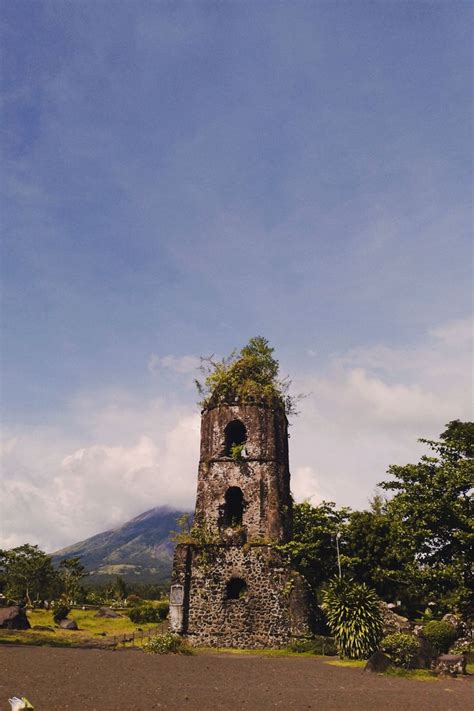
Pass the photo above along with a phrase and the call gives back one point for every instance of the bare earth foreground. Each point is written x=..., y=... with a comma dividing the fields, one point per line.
x=84, y=680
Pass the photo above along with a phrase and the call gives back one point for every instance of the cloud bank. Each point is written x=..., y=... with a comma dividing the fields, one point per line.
x=116, y=454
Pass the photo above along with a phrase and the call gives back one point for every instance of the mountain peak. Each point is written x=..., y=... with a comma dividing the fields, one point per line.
x=140, y=549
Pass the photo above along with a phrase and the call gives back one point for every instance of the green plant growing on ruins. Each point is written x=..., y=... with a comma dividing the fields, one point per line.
x=236, y=452
x=248, y=375
x=198, y=534
x=354, y=617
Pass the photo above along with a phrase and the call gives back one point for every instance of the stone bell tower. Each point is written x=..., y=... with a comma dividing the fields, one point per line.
x=230, y=586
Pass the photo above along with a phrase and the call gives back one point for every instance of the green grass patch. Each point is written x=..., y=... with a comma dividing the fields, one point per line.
x=414, y=674
x=91, y=629
x=255, y=652
x=359, y=663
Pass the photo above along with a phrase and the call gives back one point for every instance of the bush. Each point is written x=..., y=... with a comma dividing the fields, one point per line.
x=440, y=634
x=354, y=617
x=462, y=646
x=316, y=645
x=147, y=613
x=167, y=643
x=401, y=648
x=164, y=608
x=134, y=600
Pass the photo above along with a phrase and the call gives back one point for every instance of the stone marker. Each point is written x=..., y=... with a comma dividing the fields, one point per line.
x=452, y=664
x=107, y=612
x=14, y=618
x=68, y=624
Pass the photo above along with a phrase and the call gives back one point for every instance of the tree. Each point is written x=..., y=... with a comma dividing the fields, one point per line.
x=371, y=552
x=312, y=549
x=432, y=514
x=121, y=588
x=27, y=574
x=70, y=573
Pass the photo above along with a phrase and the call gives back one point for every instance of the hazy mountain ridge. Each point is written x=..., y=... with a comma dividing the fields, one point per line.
x=140, y=549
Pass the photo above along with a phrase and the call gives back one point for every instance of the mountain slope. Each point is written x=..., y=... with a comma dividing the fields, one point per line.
x=139, y=550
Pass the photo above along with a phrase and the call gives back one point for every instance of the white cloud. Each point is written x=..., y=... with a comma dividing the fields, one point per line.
x=178, y=364
x=369, y=407
x=117, y=455
x=135, y=455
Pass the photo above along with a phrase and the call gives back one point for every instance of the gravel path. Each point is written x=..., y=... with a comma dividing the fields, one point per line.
x=94, y=680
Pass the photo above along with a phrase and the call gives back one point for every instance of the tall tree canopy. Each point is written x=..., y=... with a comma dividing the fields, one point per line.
x=416, y=546
x=432, y=515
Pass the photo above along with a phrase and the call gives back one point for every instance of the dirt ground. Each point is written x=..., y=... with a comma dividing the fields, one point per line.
x=95, y=680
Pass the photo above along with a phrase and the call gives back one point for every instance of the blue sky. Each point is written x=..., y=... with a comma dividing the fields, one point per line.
x=178, y=177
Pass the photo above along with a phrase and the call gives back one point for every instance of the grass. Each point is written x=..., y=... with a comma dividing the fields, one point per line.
x=414, y=674
x=285, y=652
x=360, y=663
x=92, y=630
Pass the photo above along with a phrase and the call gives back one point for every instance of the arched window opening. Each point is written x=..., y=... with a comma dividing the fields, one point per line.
x=236, y=588
x=234, y=507
x=235, y=436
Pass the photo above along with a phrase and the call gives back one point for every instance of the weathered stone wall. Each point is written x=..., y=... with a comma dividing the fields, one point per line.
x=275, y=608
x=263, y=476
x=243, y=507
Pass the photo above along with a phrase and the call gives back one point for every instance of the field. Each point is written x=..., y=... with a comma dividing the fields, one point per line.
x=93, y=631
x=129, y=680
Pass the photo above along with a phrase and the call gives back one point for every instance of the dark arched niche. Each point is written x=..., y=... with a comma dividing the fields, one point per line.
x=234, y=506
x=235, y=434
x=235, y=589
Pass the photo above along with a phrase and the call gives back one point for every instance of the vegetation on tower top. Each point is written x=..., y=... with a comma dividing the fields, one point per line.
x=246, y=376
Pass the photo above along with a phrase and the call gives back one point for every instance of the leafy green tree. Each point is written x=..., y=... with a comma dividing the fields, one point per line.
x=312, y=549
x=70, y=573
x=432, y=515
x=27, y=574
x=371, y=551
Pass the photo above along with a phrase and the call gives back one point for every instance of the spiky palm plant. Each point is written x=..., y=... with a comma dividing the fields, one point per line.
x=354, y=617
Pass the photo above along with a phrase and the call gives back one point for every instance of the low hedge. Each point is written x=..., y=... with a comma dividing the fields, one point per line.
x=148, y=613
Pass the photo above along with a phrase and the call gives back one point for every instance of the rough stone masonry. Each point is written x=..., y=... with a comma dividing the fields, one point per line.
x=230, y=586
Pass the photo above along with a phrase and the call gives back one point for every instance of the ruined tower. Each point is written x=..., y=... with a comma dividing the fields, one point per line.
x=230, y=585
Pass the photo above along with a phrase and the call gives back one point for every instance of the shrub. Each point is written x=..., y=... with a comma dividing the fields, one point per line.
x=146, y=613
x=463, y=645
x=316, y=645
x=167, y=643
x=134, y=600
x=354, y=617
x=401, y=648
x=440, y=634
x=164, y=608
